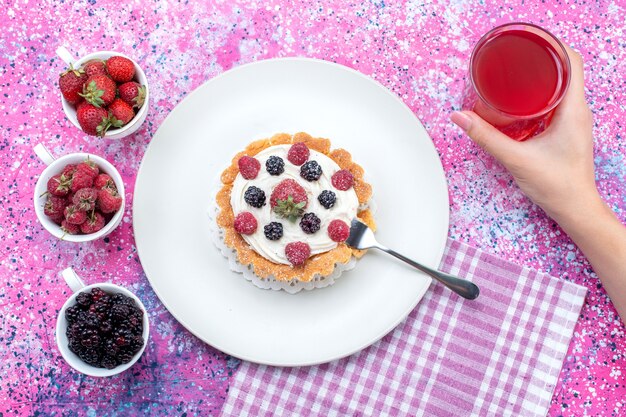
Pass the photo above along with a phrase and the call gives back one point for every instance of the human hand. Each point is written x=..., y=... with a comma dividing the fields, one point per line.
x=555, y=168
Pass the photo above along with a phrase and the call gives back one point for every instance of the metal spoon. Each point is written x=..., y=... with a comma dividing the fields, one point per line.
x=362, y=237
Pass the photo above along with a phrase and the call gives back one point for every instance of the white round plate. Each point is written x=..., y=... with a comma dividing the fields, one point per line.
x=198, y=140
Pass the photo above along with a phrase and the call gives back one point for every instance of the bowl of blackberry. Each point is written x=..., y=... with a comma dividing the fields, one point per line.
x=102, y=329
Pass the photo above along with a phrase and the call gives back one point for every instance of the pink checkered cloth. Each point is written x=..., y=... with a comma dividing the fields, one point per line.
x=499, y=355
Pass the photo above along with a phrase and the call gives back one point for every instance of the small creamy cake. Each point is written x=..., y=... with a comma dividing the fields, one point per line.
x=286, y=205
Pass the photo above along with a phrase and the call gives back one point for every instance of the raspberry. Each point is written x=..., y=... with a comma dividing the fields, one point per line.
x=109, y=200
x=94, y=223
x=59, y=185
x=311, y=171
x=248, y=167
x=275, y=165
x=245, y=223
x=85, y=198
x=298, y=153
x=80, y=180
x=74, y=215
x=104, y=181
x=69, y=228
x=342, y=180
x=310, y=223
x=68, y=171
x=297, y=253
x=338, y=230
x=273, y=230
x=55, y=206
x=255, y=197
x=327, y=199
x=89, y=168
x=288, y=188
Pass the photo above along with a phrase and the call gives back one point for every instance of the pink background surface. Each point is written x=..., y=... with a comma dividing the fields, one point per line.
x=419, y=50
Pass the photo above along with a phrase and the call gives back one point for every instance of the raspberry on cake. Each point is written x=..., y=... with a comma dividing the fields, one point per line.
x=314, y=193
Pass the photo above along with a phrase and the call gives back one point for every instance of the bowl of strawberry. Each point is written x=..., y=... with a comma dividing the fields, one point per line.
x=104, y=93
x=79, y=197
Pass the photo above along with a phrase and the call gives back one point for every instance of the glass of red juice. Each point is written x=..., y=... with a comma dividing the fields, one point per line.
x=518, y=74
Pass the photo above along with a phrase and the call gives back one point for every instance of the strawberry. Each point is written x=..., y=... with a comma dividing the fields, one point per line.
x=59, y=185
x=342, y=180
x=74, y=215
x=298, y=153
x=104, y=181
x=94, y=67
x=122, y=111
x=99, y=90
x=120, y=69
x=94, y=223
x=69, y=228
x=289, y=199
x=245, y=223
x=248, y=167
x=109, y=201
x=297, y=253
x=81, y=180
x=338, y=230
x=55, y=206
x=287, y=188
x=71, y=84
x=89, y=167
x=132, y=93
x=93, y=120
x=85, y=199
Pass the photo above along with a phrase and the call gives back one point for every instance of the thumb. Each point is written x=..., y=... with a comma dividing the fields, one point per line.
x=494, y=142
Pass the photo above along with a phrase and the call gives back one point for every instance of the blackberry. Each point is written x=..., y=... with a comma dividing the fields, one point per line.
x=74, y=331
x=311, y=171
x=122, y=337
x=310, y=223
x=97, y=294
x=275, y=165
x=136, y=343
x=109, y=362
x=255, y=197
x=110, y=348
x=134, y=324
x=90, y=339
x=327, y=199
x=71, y=314
x=90, y=356
x=119, y=312
x=75, y=346
x=104, y=330
x=106, y=327
x=118, y=298
x=273, y=230
x=89, y=319
x=125, y=356
x=83, y=300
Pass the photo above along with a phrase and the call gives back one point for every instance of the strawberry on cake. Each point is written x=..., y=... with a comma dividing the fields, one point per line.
x=285, y=206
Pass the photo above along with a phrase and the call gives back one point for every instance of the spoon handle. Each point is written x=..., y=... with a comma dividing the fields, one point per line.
x=464, y=288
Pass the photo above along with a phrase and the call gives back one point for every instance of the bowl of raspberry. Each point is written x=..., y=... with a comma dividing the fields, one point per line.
x=79, y=197
x=104, y=94
x=102, y=329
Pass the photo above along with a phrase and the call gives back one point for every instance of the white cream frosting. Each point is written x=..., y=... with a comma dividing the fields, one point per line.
x=345, y=207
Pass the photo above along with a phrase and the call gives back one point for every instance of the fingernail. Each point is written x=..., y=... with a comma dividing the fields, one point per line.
x=462, y=120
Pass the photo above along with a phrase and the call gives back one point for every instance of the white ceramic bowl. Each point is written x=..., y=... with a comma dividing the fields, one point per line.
x=140, y=76
x=55, y=166
x=78, y=286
